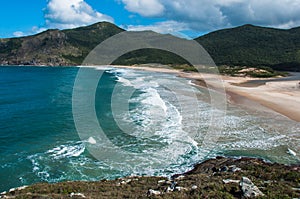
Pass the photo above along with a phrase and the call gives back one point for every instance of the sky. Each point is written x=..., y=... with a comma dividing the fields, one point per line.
x=186, y=18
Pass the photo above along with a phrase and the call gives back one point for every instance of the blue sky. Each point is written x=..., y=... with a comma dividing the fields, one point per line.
x=180, y=17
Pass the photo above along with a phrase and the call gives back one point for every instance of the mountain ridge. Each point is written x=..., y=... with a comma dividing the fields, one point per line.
x=55, y=47
x=251, y=45
x=246, y=45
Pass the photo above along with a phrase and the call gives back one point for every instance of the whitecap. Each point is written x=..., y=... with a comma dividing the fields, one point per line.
x=291, y=152
x=67, y=151
x=124, y=81
x=154, y=99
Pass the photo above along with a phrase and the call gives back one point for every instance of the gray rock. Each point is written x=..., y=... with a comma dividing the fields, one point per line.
x=234, y=168
x=3, y=193
x=249, y=189
x=296, y=189
x=125, y=181
x=180, y=189
x=77, y=194
x=226, y=181
x=152, y=192
x=168, y=190
x=194, y=187
x=169, y=182
x=181, y=177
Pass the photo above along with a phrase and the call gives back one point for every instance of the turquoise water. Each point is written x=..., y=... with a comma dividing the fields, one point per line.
x=39, y=141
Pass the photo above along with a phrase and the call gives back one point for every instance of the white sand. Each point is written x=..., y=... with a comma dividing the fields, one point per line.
x=282, y=97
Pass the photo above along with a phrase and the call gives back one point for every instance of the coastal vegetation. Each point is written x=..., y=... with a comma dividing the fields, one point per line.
x=55, y=47
x=259, y=71
x=215, y=178
x=146, y=56
x=254, y=46
x=245, y=46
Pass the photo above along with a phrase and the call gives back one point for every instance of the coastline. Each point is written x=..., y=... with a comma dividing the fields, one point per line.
x=282, y=97
x=214, y=178
x=198, y=79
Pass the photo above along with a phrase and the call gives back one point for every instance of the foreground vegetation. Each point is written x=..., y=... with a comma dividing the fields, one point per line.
x=216, y=178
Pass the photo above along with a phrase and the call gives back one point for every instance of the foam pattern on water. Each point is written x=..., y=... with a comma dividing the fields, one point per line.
x=44, y=145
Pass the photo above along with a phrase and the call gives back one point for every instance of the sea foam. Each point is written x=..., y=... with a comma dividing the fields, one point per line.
x=67, y=151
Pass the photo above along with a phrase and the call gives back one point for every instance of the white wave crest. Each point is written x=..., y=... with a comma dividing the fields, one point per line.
x=154, y=99
x=124, y=81
x=67, y=151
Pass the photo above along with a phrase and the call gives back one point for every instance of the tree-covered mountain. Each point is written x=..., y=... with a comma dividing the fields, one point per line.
x=250, y=45
x=55, y=47
x=246, y=45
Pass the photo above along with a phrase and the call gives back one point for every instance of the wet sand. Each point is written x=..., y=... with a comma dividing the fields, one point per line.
x=282, y=96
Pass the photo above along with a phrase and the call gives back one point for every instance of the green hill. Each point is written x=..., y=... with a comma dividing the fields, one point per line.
x=246, y=45
x=250, y=45
x=146, y=56
x=55, y=47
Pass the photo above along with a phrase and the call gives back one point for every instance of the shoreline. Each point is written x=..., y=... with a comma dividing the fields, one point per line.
x=233, y=90
x=282, y=97
x=214, y=178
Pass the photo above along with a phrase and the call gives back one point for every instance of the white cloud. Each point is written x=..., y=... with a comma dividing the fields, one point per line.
x=206, y=15
x=63, y=14
x=71, y=13
x=34, y=30
x=147, y=8
x=166, y=27
x=18, y=34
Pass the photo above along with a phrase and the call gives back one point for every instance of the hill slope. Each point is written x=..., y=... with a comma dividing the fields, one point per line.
x=250, y=45
x=242, y=46
x=55, y=47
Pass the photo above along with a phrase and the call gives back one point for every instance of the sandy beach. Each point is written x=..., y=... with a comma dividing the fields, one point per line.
x=280, y=96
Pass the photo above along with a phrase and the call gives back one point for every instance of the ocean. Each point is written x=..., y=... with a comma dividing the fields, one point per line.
x=149, y=129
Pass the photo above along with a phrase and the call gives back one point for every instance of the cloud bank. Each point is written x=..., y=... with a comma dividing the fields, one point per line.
x=207, y=15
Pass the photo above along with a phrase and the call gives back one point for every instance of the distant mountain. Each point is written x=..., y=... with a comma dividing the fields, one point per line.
x=246, y=45
x=250, y=45
x=55, y=47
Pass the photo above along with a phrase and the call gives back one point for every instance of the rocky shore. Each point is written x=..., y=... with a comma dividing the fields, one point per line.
x=215, y=178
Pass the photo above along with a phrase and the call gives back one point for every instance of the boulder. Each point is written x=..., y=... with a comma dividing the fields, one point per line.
x=152, y=192
x=249, y=189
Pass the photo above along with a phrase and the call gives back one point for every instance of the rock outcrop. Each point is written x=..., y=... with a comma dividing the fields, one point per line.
x=213, y=178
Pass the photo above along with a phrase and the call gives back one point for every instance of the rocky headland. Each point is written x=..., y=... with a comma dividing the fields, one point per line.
x=214, y=178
